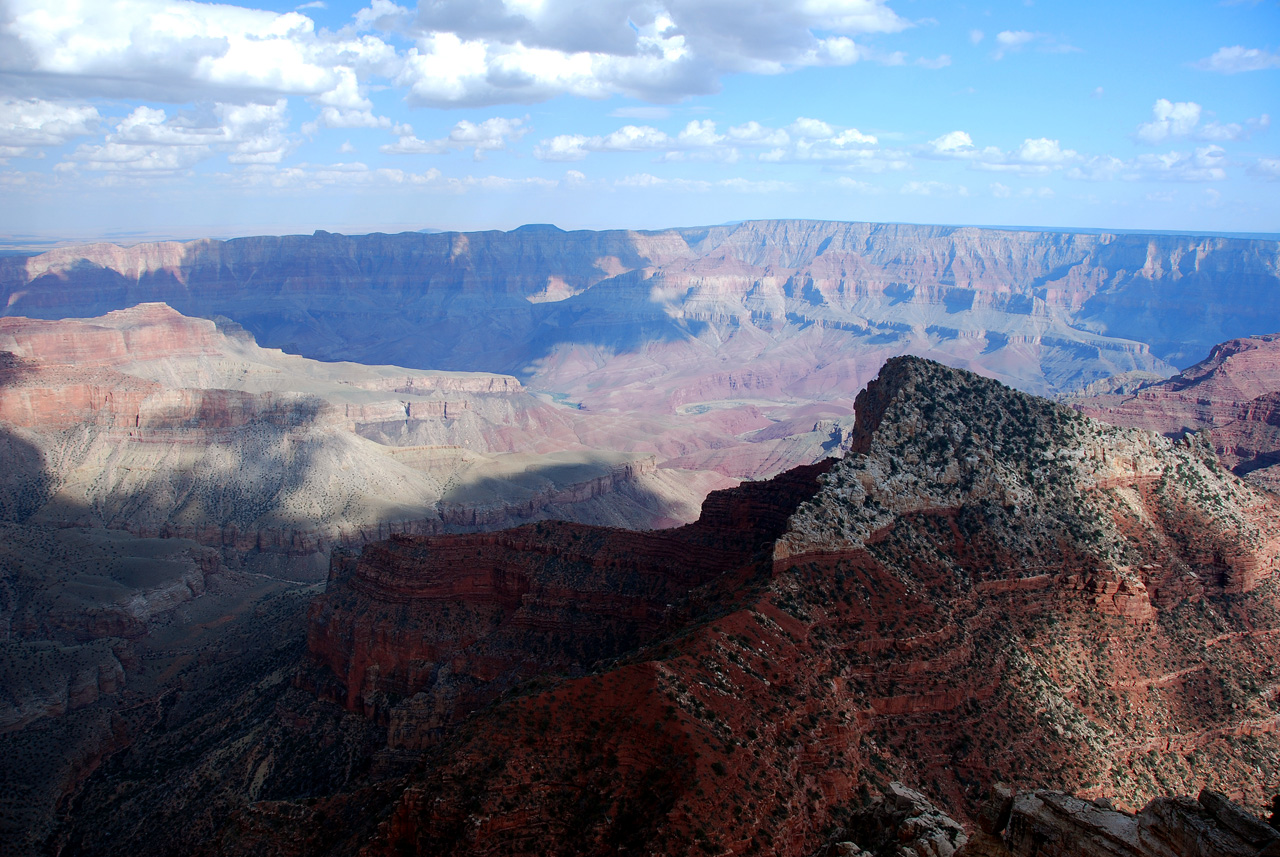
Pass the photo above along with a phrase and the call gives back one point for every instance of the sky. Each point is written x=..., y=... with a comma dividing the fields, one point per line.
x=130, y=120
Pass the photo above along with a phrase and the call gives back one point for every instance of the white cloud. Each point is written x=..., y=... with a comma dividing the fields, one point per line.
x=312, y=177
x=1034, y=156
x=976, y=36
x=516, y=51
x=1202, y=164
x=29, y=125
x=148, y=140
x=491, y=135
x=856, y=185
x=1042, y=151
x=1171, y=120
x=952, y=142
x=940, y=62
x=177, y=50
x=754, y=134
x=648, y=181
x=383, y=15
x=696, y=135
x=563, y=147
x=1206, y=163
x=1182, y=119
x=462, y=52
x=1267, y=168
x=1099, y=168
x=1236, y=59
x=1013, y=41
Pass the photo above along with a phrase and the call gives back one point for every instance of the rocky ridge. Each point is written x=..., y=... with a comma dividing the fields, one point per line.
x=1121, y=644
x=420, y=631
x=1234, y=393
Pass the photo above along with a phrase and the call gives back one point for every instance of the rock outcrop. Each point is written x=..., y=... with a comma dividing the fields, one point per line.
x=1051, y=824
x=1234, y=393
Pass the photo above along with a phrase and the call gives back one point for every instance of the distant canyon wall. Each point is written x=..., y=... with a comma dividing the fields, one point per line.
x=537, y=301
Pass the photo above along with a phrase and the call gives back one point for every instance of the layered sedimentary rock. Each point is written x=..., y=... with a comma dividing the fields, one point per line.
x=988, y=587
x=1234, y=393
x=161, y=424
x=419, y=631
x=1052, y=824
x=773, y=311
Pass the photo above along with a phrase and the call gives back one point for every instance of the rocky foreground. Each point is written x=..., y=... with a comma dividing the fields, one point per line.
x=988, y=588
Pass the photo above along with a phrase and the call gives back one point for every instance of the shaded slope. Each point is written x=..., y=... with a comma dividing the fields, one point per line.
x=990, y=587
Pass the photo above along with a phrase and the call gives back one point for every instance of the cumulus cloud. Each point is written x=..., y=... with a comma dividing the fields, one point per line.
x=1236, y=59
x=805, y=139
x=461, y=52
x=491, y=135
x=518, y=51
x=1182, y=120
x=1034, y=156
x=29, y=125
x=150, y=141
x=697, y=134
x=178, y=51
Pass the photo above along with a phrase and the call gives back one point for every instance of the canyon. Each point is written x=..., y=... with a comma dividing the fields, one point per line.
x=766, y=312
x=572, y=542
x=988, y=587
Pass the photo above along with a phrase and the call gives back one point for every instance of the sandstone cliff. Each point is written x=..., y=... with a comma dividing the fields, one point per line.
x=418, y=632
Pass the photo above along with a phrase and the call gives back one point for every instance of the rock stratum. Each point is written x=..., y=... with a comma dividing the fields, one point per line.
x=164, y=425
x=759, y=314
x=1234, y=393
x=988, y=588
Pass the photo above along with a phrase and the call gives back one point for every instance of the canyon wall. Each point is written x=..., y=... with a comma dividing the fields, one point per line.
x=795, y=308
x=1233, y=394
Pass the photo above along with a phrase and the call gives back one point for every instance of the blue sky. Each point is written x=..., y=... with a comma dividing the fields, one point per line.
x=130, y=119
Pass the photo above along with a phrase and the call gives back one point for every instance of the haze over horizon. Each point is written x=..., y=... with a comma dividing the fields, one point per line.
x=139, y=119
